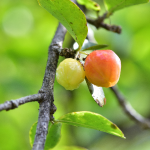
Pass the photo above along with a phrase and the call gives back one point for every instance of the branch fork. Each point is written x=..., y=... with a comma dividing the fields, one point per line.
x=99, y=23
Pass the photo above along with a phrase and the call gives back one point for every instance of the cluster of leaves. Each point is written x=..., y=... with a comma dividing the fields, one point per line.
x=83, y=119
x=76, y=25
x=75, y=22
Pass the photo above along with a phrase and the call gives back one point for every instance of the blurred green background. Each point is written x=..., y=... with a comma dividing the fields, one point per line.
x=26, y=31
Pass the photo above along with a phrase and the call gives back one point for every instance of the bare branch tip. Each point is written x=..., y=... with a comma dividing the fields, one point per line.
x=129, y=110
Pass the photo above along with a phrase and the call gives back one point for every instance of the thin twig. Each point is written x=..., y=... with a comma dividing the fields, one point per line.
x=46, y=106
x=15, y=103
x=129, y=110
x=99, y=23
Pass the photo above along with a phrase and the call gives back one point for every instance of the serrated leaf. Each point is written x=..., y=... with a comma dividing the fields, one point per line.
x=113, y=5
x=91, y=120
x=89, y=4
x=70, y=15
x=97, y=93
x=53, y=136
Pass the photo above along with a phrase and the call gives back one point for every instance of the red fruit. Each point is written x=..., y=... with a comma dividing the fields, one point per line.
x=102, y=68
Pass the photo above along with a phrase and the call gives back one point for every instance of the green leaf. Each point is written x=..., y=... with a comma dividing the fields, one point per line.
x=73, y=148
x=70, y=15
x=95, y=47
x=91, y=120
x=113, y=5
x=53, y=136
x=92, y=46
x=87, y=45
x=89, y=4
x=32, y=133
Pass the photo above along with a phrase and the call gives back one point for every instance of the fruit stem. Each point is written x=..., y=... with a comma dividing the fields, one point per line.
x=77, y=54
x=83, y=53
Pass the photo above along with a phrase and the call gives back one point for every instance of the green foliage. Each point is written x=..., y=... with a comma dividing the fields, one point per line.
x=91, y=120
x=95, y=47
x=72, y=148
x=70, y=15
x=87, y=45
x=53, y=136
x=32, y=133
x=113, y=5
x=83, y=119
x=89, y=4
x=26, y=57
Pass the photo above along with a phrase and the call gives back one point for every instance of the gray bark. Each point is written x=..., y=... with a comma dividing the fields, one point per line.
x=46, y=106
x=15, y=103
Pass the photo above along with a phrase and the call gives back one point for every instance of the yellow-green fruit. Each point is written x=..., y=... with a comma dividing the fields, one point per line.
x=70, y=74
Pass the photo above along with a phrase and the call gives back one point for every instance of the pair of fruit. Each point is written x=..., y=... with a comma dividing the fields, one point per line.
x=102, y=68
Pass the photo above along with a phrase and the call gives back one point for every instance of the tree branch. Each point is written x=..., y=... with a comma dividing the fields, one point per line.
x=129, y=110
x=99, y=23
x=68, y=53
x=15, y=103
x=47, y=108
